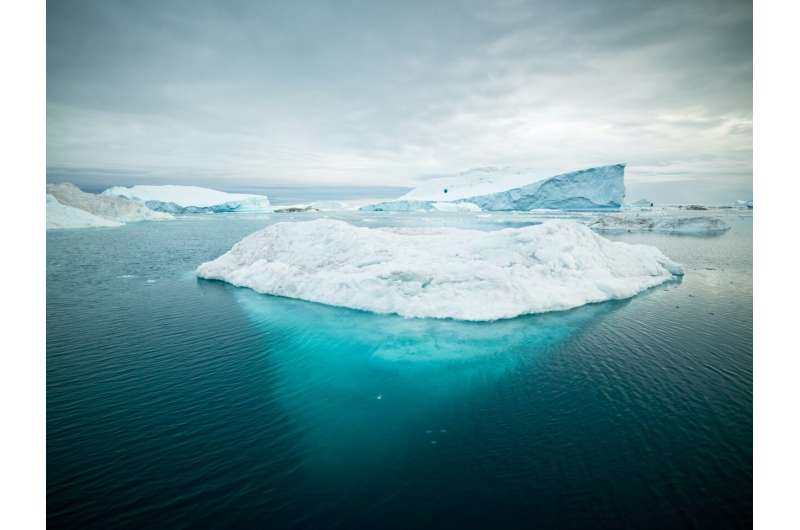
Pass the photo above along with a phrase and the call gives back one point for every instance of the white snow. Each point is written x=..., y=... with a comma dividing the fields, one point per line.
x=169, y=197
x=324, y=205
x=696, y=225
x=456, y=207
x=471, y=183
x=117, y=209
x=63, y=216
x=441, y=272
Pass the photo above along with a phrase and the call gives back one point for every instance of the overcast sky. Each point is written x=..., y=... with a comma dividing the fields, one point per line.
x=382, y=93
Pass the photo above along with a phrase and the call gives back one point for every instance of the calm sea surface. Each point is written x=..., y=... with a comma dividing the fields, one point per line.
x=174, y=402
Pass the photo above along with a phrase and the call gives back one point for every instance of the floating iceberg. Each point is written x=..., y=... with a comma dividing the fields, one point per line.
x=642, y=203
x=673, y=225
x=745, y=204
x=63, y=216
x=421, y=206
x=192, y=199
x=323, y=206
x=399, y=206
x=117, y=209
x=509, y=189
x=441, y=272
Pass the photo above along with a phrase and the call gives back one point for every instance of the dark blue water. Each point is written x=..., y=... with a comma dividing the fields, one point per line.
x=178, y=403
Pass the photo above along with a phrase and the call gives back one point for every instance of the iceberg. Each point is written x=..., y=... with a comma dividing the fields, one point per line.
x=323, y=206
x=700, y=225
x=117, y=209
x=642, y=203
x=399, y=206
x=744, y=204
x=508, y=189
x=63, y=216
x=191, y=199
x=441, y=272
x=421, y=206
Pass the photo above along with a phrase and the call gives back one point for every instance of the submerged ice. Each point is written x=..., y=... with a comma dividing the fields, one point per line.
x=191, y=199
x=441, y=272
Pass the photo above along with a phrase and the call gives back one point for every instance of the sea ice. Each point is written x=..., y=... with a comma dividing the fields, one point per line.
x=441, y=272
x=699, y=225
x=191, y=199
x=63, y=216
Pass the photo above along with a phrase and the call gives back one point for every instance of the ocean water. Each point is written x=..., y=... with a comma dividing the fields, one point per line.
x=174, y=402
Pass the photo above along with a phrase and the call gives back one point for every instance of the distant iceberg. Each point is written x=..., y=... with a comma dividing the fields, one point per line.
x=421, y=206
x=700, y=225
x=118, y=210
x=441, y=272
x=63, y=216
x=192, y=199
x=495, y=189
x=745, y=204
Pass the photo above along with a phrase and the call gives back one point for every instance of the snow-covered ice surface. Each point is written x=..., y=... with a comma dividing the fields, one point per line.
x=441, y=272
x=659, y=222
x=507, y=189
x=421, y=206
x=63, y=216
x=117, y=209
x=191, y=199
x=324, y=206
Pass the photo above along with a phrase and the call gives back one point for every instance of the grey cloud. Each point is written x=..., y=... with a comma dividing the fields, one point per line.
x=383, y=92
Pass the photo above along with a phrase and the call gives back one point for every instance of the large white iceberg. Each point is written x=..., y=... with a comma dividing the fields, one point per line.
x=698, y=225
x=117, y=209
x=63, y=216
x=441, y=272
x=191, y=199
x=518, y=189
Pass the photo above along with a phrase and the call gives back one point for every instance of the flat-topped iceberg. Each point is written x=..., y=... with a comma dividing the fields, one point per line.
x=421, y=206
x=116, y=209
x=506, y=189
x=191, y=199
x=441, y=272
x=699, y=225
x=63, y=216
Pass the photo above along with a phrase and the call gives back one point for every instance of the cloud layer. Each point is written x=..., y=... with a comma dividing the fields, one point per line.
x=377, y=93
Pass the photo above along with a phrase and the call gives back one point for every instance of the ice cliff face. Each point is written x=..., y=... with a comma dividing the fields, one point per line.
x=191, y=199
x=495, y=189
x=117, y=209
x=441, y=272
